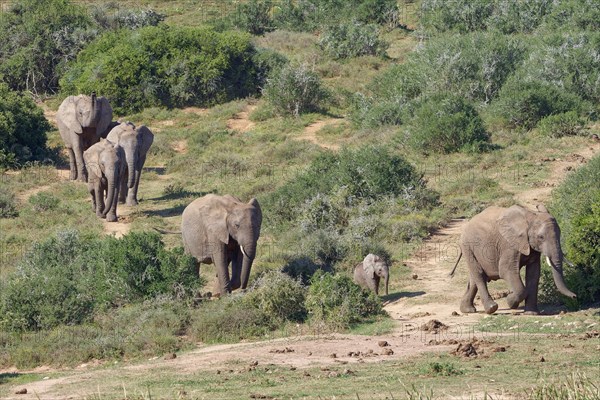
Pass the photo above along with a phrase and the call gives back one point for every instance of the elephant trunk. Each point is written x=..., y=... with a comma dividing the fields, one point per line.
x=387, y=281
x=96, y=112
x=131, y=171
x=249, y=253
x=557, y=274
x=111, y=177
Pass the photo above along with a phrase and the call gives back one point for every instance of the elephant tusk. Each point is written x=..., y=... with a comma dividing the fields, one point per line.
x=549, y=262
x=243, y=251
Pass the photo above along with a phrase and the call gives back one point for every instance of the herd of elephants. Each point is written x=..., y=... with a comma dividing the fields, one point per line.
x=223, y=230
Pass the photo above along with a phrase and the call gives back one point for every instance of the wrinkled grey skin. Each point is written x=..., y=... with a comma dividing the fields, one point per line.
x=223, y=230
x=498, y=242
x=81, y=121
x=135, y=143
x=370, y=271
x=105, y=163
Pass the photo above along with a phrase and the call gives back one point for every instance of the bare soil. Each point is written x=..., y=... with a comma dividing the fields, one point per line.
x=241, y=121
x=310, y=133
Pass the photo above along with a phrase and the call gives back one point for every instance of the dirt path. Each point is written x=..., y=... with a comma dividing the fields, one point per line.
x=310, y=133
x=241, y=121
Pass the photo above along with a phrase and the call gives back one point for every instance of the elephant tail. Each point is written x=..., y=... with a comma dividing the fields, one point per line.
x=451, y=275
x=163, y=231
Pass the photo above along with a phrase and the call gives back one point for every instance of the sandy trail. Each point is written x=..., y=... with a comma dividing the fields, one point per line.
x=241, y=121
x=310, y=133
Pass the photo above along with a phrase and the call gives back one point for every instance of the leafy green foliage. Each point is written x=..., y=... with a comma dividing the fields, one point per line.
x=309, y=15
x=23, y=128
x=255, y=16
x=64, y=279
x=435, y=368
x=44, y=202
x=446, y=123
x=353, y=39
x=564, y=124
x=165, y=65
x=295, y=90
x=8, y=204
x=576, y=208
x=337, y=301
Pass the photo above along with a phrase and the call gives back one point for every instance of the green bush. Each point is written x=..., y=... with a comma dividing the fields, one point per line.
x=574, y=14
x=446, y=123
x=279, y=297
x=577, y=211
x=255, y=16
x=23, y=128
x=474, y=66
x=295, y=90
x=353, y=39
x=8, y=204
x=564, y=124
x=165, y=65
x=66, y=278
x=309, y=15
x=44, y=202
x=522, y=104
x=339, y=302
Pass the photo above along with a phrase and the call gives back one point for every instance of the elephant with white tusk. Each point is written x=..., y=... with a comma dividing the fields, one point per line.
x=370, y=271
x=81, y=121
x=223, y=230
x=498, y=242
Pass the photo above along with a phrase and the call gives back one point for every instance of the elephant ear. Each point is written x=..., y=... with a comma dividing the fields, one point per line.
x=91, y=158
x=67, y=114
x=147, y=137
x=513, y=227
x=215, y=215
x=369, y=264
x=106, y=114
x=542, y=208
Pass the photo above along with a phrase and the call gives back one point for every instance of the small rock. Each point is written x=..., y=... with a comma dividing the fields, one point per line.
x=387, y=352
x=324, y=368
x=170, y=356
x=218, y=372
x=348, y=372
x=455, y=314
x=415, y=276
x=542, y=359
x=21, y=391
x=333, y=374
x=333, y=355
x=562, y=312
x=499, y=349
x=254, y=363
x=383, y=343
x=310, y=353
x=292, y=368
x=306, y=373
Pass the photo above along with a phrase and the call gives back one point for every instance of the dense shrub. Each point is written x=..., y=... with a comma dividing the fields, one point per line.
x=339, y=302
x=564, y=124
x=577, y=211
x=165, y=65
x=308, y=15
x=8, y=204
x=64, y=279
x=473, y=15
x=473, y=66
x=368, y=173
x=446, y=123
x=293, y=90
x=352, y=40
x=279, y=297
x=255, y=16
x=44, y=202
x=574, y=14
x=41, y=36
x=23, y=128
x=522, y=104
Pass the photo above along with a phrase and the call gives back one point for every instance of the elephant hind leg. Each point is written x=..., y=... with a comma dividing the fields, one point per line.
x=479, y=279
x=466, y=305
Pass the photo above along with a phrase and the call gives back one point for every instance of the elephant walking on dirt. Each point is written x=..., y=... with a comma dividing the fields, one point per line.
x=223, y=230
x=135, y=143
x=81, y=121
x=498, y=242
x=105, y=162
x=370, y=271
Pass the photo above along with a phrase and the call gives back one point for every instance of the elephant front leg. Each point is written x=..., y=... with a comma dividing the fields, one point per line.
x=236, y=268
x=72, y=165
x=221, y=262
x=513, y=277
x=80, y=165
x=123, y=188
x=98, y=198
x=532, y=282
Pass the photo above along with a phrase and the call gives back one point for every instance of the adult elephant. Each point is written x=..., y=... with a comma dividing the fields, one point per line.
x=105, y=163
x=81, y=121
x=370, y=271
x=135, y=143
x=223, y=230
x=498, y=242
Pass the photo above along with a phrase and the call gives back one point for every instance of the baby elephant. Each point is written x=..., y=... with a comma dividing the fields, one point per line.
x=368, y=273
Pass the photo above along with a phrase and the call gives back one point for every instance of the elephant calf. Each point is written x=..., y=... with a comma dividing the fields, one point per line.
x=369, y=272
x=105, y=164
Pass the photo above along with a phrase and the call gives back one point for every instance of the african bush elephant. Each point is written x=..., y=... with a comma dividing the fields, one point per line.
x=369, y=272
x=222, y=230
x=105, y=163
x=81, y=121
x=135, y=143
x=498, y=242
